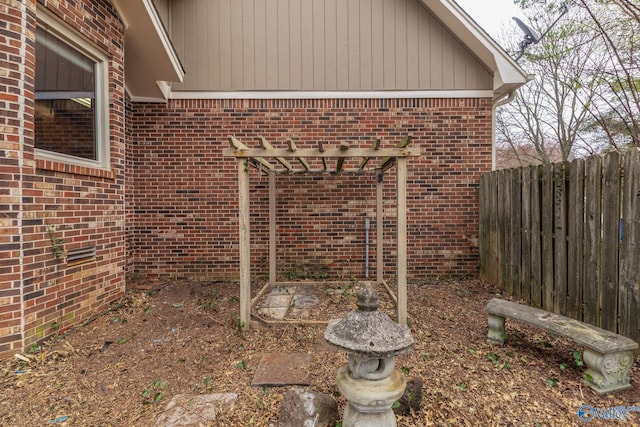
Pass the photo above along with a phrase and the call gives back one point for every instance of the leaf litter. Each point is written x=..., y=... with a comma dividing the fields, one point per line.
x=173, y=337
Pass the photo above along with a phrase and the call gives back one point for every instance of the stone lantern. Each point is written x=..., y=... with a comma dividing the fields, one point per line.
x=369, y=382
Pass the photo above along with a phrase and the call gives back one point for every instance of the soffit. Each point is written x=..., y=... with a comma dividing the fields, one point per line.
x=150, y=59
x=507, y=74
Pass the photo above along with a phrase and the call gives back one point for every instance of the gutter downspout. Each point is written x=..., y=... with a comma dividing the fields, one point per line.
x=505, y=99
x=366, y=248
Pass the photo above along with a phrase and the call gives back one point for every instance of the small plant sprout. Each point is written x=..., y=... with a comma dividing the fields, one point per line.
x=239, y=324
x=56, y=243
x=154, y=393
x=493, y=357
x=577, y=357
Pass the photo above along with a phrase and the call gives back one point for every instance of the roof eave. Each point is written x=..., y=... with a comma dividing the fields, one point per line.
x=150, y=58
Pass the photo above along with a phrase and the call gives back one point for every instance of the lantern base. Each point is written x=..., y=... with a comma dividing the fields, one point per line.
x=370, y=401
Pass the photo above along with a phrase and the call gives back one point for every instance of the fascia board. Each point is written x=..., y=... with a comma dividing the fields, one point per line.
x=508, y=75
x=150, y=58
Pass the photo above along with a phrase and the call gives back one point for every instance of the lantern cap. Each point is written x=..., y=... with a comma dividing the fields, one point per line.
x=368, y=331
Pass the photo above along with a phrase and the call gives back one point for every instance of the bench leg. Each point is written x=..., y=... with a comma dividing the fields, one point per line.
x=496, y=330
x=607, y=372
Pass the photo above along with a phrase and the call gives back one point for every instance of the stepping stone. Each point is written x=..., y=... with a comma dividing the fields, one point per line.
x=195, y=410
x=277, y=369
x=277, y=313
x=277, y=300
x=276, y=304
x=306, y=297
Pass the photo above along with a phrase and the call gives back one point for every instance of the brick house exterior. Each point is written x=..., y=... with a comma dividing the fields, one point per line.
x=166, y=203
x=186, y=196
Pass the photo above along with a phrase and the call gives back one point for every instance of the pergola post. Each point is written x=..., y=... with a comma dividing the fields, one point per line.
x=245, y=239
x=272, y=228
x=401, y=184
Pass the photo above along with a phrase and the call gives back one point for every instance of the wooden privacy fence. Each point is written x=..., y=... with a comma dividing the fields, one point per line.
x=564, y=237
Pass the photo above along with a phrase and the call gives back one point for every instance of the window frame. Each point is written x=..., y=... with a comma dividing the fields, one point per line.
x=68, y=35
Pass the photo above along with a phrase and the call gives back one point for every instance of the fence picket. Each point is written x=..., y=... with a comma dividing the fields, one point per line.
x=592, y=229
x=525, y=265
x=493, y=230
x=629, y=302
x=515, y=238
x=504, y=228
x=547, y=237
x=536, y=236
x=559, y=238
x=610, y=240
x=575, y=226
x=483, y=224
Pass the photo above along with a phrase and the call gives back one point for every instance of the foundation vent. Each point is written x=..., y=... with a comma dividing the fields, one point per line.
x=80, y=255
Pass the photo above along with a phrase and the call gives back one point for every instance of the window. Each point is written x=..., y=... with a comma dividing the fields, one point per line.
x=71, y=109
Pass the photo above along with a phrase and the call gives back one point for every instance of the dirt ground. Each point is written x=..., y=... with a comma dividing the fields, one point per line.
x=171, y=337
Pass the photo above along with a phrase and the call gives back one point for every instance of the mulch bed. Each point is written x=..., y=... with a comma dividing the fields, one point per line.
x=172, y=337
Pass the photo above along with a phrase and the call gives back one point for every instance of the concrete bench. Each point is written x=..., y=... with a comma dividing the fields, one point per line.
x=608, y=356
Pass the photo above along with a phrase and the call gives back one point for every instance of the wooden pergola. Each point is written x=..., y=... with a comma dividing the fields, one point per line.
x=290, y=160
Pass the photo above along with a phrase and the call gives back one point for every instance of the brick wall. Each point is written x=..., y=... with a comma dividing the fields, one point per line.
x=186, y=192
x=81, y=206
x=16, y=158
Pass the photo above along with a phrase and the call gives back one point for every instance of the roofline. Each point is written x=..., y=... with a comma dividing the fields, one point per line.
x=507, y=74
x=150, y=57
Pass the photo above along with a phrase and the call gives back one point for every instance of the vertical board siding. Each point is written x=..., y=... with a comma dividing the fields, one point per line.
x=565, y=236
x=349, y=45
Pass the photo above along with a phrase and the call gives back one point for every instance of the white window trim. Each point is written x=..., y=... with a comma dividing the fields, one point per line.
x=64, y=32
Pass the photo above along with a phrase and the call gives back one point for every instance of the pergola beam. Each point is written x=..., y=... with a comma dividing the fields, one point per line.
x=293, y=149
x=267, y=146
x=376, y=145
x=388, y=162
x=301, y=153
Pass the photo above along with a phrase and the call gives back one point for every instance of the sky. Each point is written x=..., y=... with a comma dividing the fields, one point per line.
x=491, y=14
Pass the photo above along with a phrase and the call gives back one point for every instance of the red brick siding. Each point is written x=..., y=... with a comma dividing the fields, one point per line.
x=16, y=60
x=129, y=194
x=85, y=206
x=186, y=192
